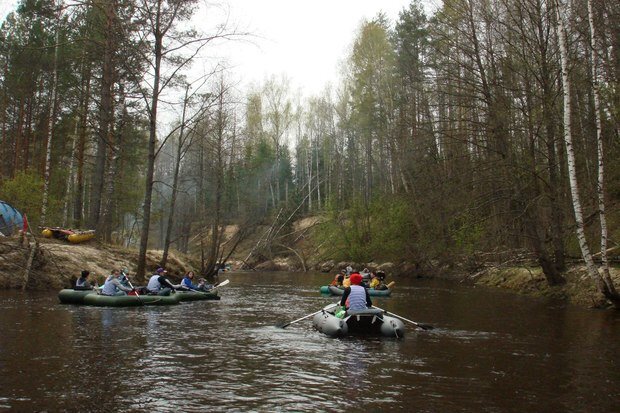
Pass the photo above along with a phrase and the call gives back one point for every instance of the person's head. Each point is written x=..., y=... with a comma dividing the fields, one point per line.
x=372, y=275
x=356, y=278
x=190, y=274
x=343, y=271
x=116, y=272
x=161, y=271
x=85, y=274
x=381, y=275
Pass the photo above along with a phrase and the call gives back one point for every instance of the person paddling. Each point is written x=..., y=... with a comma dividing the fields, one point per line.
x=356, y=297
x=113, y=285
x=159, y=284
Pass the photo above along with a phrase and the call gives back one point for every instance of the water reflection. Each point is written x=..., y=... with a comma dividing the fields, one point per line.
x=488, y=352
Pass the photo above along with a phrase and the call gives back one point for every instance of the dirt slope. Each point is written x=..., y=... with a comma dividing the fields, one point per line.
x=59, y=263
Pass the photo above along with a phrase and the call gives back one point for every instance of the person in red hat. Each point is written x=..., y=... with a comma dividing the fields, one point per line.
x=356, y=296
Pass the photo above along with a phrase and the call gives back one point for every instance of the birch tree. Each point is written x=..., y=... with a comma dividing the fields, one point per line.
x=606, y=290
x=594, y=65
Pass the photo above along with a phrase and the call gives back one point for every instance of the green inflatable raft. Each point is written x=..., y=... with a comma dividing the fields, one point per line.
x=71, y=296
x=332, y=290
x=90, y=297
x=197, y=295
x=99, y=300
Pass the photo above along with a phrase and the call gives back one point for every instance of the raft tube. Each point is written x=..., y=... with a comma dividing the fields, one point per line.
x=369, y=322
x=197, y=295
x=333, y=290
x=99, y=300
x=71, y=296
x=81, y=236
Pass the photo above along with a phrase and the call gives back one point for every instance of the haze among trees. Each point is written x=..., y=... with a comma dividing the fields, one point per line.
x=485, y=132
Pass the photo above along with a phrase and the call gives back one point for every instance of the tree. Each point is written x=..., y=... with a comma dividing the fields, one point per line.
x=605, y=288
x=166, y=44
x=186, y=133
x=52, y=103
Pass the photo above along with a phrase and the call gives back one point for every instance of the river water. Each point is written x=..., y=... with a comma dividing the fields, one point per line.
x=490, y=351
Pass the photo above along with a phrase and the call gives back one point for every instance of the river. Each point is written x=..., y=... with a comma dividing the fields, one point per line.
x=490, y=351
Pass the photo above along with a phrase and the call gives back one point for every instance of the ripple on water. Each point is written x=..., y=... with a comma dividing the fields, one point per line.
x=227, y=355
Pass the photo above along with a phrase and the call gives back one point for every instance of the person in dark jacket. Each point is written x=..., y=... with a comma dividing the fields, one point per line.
x=159, y=284
x=82, y=283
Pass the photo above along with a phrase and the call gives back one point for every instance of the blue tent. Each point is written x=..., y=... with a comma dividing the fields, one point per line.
x=10, y=219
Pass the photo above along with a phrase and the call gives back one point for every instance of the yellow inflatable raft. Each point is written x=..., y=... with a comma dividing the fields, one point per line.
x=81, y=236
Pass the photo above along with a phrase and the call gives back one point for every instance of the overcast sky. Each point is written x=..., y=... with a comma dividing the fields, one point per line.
x=303, y=39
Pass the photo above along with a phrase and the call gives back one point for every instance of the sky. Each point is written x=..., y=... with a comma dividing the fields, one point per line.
x=305, y=40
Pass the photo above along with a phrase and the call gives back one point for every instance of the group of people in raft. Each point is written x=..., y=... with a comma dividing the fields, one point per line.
x=117, y=283
x=355, y=296
x=376, y=279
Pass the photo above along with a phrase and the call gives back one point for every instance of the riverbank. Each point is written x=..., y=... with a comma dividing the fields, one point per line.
x=58, y=264
x=579, y=288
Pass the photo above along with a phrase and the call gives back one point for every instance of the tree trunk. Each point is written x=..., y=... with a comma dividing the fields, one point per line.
x=78, y=209
x=600, y=152
x=572, y=172
x=105, y=116
x=148, y=192
x=175, y=181
x=70, y=177
x=50, y=131
x=105, y=223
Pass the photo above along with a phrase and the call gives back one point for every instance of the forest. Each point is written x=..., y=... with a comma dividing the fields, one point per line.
x=485, y=132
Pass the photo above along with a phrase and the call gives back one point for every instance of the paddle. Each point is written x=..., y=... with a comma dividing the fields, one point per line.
x=216, y=286
x=129, y=282
x=422, y=326
x=302, y=318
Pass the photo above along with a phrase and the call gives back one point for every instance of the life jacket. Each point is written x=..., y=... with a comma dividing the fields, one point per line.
x=154, y=285
x=357, y=298
x=337, y=281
